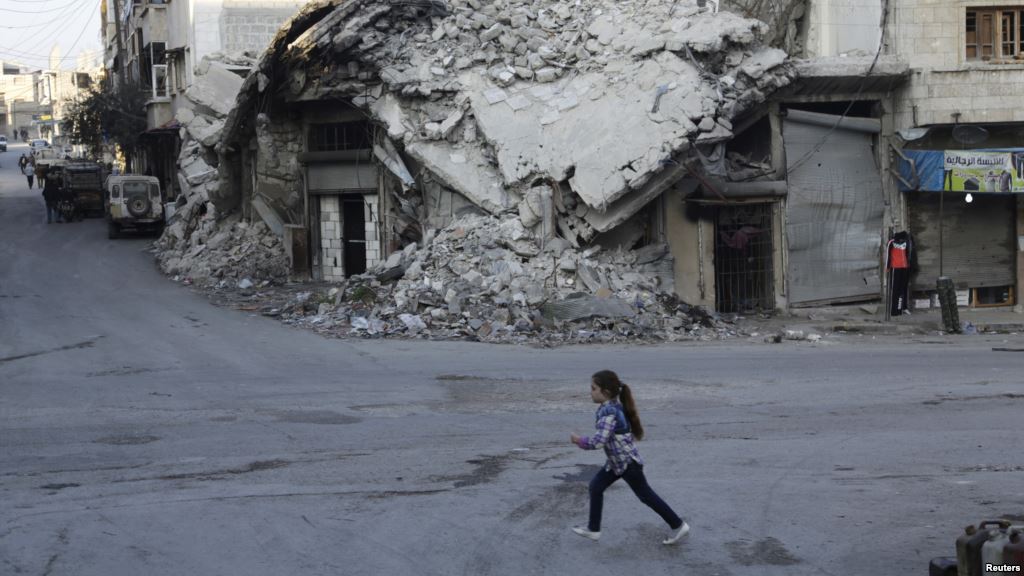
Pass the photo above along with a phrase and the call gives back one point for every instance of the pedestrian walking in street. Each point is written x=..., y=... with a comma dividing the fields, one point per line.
x=618, y=429
x=40, y=174
x=22, y=162
x=51, y=195
x=30, y=173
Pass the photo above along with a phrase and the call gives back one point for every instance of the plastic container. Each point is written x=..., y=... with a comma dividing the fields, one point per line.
x=1013, y=552
x=968, y=546
x=992, y=551
x=942, y=567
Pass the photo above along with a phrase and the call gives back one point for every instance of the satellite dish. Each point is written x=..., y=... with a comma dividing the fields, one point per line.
x=969, y=135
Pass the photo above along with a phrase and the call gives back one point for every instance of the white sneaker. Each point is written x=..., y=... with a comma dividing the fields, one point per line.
x=679, y=535
x=586, y=533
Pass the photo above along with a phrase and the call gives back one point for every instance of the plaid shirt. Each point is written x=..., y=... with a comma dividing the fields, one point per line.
x=614, y=436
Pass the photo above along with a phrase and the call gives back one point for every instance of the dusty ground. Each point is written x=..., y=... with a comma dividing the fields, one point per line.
x=145, y=431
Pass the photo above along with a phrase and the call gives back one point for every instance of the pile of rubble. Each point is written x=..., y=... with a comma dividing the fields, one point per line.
x=200, y=244
x=486, y=279
x=559, y=119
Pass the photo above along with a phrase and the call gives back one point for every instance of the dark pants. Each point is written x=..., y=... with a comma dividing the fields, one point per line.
x=30, y=180
x=51, y=212
x=634, y=476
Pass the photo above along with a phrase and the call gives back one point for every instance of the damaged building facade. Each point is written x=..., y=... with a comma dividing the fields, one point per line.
x=727, y=173
x=165, y=45
x=368, y=125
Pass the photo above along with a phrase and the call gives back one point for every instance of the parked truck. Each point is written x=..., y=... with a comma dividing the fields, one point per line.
x=84, y=182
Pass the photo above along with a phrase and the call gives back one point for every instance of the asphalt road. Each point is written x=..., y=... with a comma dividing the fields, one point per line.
x=146, y=432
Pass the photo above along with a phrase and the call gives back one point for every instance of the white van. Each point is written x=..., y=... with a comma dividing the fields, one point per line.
x=37, y=145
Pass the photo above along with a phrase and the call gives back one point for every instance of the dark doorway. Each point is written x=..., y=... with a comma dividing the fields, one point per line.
x=744, y=281
x=353, y=235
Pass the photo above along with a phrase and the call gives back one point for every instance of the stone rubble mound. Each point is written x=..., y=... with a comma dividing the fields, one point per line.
x=200, y=244
x=560, y=119
x=483, y=279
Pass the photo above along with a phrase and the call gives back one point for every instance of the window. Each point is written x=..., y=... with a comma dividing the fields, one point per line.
x=153, y=68
x=339, y=136
x=994, y=35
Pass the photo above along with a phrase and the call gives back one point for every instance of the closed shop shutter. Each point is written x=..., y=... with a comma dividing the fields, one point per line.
x=834, y=209
x=978, y=239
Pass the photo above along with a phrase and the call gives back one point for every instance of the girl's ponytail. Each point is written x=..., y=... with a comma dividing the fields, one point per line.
x=609, y=382
x=629, y=406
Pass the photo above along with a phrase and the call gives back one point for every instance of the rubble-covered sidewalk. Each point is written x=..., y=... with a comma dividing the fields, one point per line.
x=470, y=283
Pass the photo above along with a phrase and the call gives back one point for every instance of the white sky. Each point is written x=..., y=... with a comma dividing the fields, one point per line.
x=29, y=29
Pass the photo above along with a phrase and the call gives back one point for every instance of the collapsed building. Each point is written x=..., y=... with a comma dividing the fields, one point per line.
x=609, y=156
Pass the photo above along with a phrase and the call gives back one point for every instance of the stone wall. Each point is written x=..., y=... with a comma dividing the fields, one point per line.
x=837, y=27
x=251, y=24
x=931, y=37
x=278, y=173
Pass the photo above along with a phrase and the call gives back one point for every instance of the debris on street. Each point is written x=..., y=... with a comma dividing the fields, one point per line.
x=493, y=105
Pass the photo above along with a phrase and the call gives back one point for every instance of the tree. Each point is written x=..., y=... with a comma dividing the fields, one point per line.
x=107, y=115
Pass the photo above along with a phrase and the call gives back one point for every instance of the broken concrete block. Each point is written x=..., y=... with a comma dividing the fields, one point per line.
x=502, y=75
x=197, y=171
x=646, y=45
x=491, y=33
x=451, y=121
x=184, y=115
x=432, y=131
x=215, y=91
x=548, y=74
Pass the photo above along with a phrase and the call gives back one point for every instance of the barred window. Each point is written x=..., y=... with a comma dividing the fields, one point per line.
x=339, y=136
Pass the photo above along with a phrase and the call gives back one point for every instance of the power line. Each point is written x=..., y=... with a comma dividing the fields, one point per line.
x=47, y=11
x=59, y=30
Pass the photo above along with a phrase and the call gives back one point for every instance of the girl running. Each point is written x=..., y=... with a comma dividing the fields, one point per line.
x=618, y=429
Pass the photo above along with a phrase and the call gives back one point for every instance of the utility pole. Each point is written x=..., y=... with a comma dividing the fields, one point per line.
x=120, y=46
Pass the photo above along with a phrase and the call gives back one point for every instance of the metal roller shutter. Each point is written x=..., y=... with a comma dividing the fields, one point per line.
x=834, y=209
x=978, y=239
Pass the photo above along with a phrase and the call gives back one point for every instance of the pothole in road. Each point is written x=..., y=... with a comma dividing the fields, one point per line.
x=486, y=470
x=941, y=399
x=56, y=487
x=122, y=371
x=314, y=417
x=256, y=466
x=126, y=440
x=584, y=472
x=766, y=551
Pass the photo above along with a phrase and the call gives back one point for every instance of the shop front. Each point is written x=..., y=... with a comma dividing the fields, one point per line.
x=963, y=214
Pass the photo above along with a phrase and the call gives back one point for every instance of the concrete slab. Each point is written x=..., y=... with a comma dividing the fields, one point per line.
x=610, y=158
x=465, y=169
